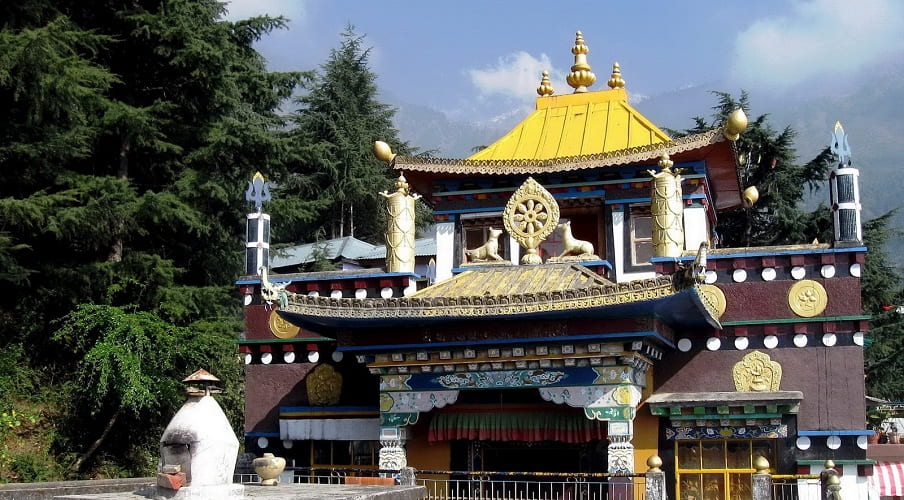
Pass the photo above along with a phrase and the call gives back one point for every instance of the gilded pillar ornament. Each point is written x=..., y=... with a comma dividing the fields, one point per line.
x=667, y=209
x=400, y=228
x=392, y=449
x=756, y=372
x=530, y=216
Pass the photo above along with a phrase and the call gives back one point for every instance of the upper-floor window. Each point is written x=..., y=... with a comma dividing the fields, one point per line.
x=638, y=238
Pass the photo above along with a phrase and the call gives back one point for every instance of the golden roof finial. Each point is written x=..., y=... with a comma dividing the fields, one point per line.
x=616, y=81
x=580, y=77
x=545, y=87
x=664, y=162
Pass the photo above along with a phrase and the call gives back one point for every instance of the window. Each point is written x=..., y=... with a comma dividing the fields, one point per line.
x=638, y=238
x=356, y=454
x=719, y=469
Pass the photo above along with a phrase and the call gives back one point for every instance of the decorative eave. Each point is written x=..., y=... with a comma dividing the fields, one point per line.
x=476, y=295
x=791, y=399
x=712, y=146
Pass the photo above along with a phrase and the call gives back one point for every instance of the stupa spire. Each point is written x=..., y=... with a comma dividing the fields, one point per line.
x=580, y=77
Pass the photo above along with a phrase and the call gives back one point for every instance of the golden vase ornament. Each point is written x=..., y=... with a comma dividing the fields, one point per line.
x=269, y=467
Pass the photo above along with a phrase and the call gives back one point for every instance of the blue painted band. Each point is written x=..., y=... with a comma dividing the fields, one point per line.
x=434, y=345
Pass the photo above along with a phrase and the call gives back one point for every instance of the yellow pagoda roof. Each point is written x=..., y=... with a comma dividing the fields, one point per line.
x=574, y=125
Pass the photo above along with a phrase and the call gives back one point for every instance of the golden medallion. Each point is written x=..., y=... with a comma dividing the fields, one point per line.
x=324, y=386
x=530, y=216
x=280, y=327
x=807, y=298
x=713, y=297
x=756, y=372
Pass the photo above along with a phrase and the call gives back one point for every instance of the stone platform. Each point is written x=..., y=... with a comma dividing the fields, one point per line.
x=293, y=491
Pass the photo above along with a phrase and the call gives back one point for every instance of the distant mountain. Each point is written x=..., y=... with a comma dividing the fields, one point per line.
x=430, y=130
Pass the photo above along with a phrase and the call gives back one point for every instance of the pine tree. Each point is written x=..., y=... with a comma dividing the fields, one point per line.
x=335, y=127
x=882, y=295
x=767, y=159
x=128, y=131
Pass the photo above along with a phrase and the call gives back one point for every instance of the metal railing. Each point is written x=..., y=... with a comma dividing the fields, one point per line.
x=796, y=487
x=457, y=485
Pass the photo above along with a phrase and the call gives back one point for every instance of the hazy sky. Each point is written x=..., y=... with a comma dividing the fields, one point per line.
x=476, y=60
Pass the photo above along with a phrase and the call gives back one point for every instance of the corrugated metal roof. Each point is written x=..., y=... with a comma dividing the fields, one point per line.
x=347, y=247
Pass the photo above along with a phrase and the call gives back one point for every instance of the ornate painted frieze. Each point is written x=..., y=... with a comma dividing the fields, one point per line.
x=609, y=413
x=412, y=402
x=593, y=396
x=736, y=432
x=501, y=379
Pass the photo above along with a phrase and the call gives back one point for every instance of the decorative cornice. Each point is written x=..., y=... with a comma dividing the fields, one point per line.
x=478, y=306
x=561, y=164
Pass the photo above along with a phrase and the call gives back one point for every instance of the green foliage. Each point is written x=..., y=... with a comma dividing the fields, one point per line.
x=129, y=369
x=882, y=293
x=767, y=159
x=337, y=122
x=128, y=133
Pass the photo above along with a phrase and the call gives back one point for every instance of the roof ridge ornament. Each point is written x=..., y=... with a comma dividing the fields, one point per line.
x=735, y=123
x=545, y=88
x=615, y=80
x=580, y=77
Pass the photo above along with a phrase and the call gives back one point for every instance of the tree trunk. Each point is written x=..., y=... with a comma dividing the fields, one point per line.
x=122, y=173
x=351, y=220
x=77, y=466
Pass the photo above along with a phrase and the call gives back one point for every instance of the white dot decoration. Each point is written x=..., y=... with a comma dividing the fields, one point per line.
x=313, y=356
x=266, y=358
x=858, y=338
x=829, y=339
x=263, y=443
x=827, y=271
x=289, y=357
x=833, y=442
x=288, y=443
x=739, y=275
x=337, y=356
x=247, y=359
x=713, y=343
x=768, y=273
x=247, y=300
x=336, y=294
x=798, y=272
x=741, y=343
x=313, y=293
x=361, y=293
x=386, y=292
x=861, y=442
x=711, y=277
x=855, y=270
x=803, y=443
x=771, y=341
x=800, y=340
x=684, y=345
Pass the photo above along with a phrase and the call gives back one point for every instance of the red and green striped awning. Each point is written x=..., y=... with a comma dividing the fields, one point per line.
x=495, y=423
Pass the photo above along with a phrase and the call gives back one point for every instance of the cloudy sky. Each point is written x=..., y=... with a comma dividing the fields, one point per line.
x=475, y=60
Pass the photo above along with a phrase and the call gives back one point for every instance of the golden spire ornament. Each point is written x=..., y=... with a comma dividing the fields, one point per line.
x=616, y=81
x=580, y=77
x=545, y=88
